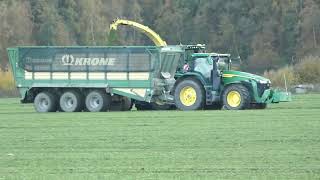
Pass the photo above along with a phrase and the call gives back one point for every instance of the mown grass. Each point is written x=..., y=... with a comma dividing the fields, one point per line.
x=281, y=142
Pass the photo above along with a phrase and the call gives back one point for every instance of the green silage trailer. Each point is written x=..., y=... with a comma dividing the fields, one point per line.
x=94, y=79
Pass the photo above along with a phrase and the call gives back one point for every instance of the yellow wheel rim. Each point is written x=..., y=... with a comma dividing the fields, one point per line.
x=188, y=96
x=234, y=99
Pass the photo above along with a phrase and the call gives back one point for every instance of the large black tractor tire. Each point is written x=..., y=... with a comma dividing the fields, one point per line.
x=236, y=97
x=97, y=101
x=45, y=102
x=71, y=101
x=259, y=106
x=189, y=95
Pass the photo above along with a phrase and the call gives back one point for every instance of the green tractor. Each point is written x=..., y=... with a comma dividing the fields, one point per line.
x=207, y=80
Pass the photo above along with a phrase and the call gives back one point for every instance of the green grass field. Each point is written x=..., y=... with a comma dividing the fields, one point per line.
x=281, y=142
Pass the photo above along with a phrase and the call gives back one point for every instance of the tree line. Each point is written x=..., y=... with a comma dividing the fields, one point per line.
x=266, y=34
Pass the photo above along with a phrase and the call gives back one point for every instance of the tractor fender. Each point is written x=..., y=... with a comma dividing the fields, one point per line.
x=247, y=84
x=194, y=76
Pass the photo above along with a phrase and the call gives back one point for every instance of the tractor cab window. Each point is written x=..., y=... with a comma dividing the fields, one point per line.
x=223, y=63
x=204, y=66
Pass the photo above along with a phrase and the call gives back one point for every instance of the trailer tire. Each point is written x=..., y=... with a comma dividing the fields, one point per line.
x=236, y=97
x=122, y=104
x=97, y=101
x=45, y=102
x=71, y=101
x=189, y=95
x=126, y=104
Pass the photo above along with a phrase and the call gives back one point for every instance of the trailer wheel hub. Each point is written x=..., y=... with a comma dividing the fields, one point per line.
x=69, y=102
x=188, y=96
x=234, y=98
x=94, y=102
x=43, y=103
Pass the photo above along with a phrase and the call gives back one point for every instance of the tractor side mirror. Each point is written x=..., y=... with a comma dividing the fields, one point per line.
x=236, y=59
x=236, y=63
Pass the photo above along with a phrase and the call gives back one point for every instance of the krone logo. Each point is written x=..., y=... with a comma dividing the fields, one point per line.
x=67, y=60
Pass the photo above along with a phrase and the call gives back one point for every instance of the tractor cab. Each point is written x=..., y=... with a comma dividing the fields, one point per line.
x=210, y=66
x=205, y=63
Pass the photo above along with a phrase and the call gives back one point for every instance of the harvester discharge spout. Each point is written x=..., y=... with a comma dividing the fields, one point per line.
x=156, y=39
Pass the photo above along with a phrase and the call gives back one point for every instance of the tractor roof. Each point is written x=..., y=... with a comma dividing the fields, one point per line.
x=210, y=54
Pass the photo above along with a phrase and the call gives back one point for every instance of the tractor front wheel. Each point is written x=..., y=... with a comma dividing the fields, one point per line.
x=236, y=97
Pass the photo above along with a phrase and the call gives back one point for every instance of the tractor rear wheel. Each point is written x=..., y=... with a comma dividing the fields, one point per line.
x=45, y=102
x=189, y=95
x=71, y=101
x=236, y=97
x=97, y=101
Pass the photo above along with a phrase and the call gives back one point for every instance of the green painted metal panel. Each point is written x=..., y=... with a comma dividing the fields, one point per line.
x=116, y=66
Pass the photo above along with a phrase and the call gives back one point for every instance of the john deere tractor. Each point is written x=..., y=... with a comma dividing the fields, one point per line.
x=206, y=80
